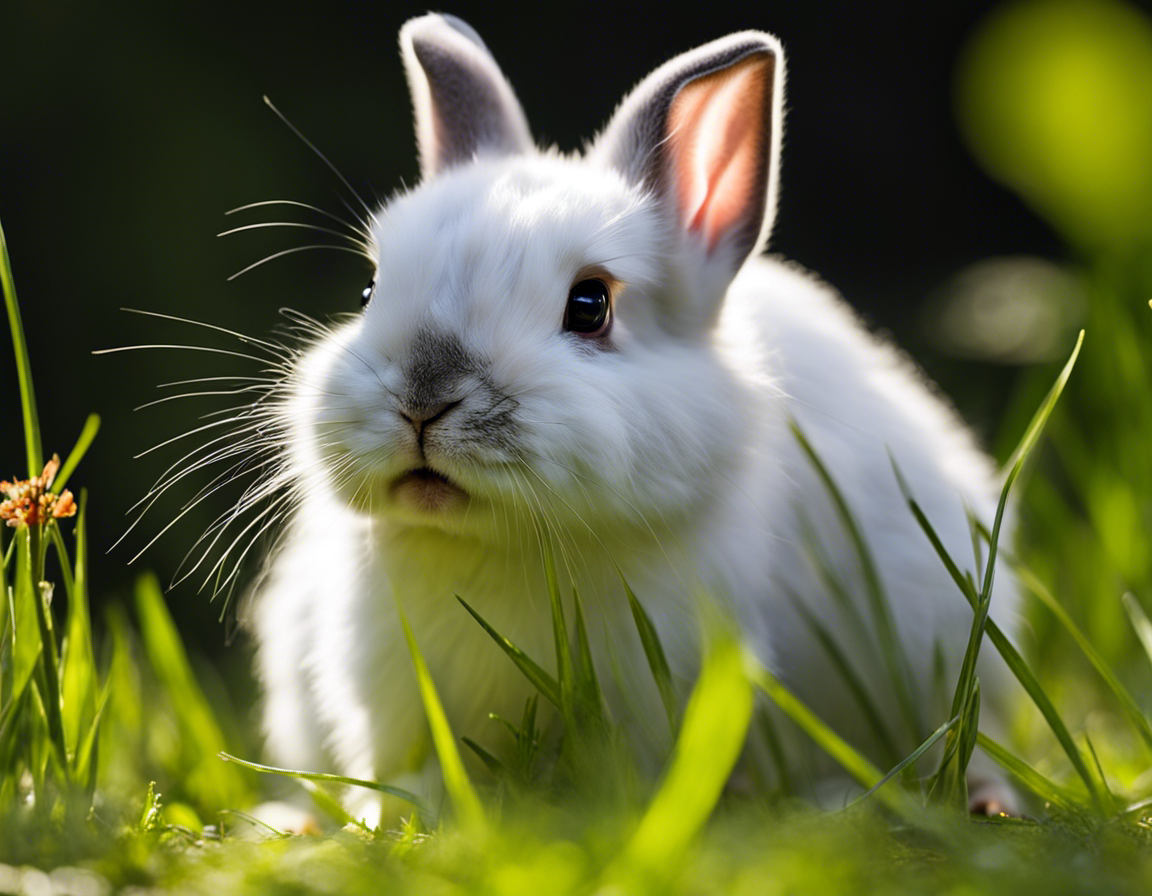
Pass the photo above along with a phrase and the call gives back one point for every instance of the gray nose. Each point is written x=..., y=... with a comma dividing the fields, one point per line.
x=421, y=416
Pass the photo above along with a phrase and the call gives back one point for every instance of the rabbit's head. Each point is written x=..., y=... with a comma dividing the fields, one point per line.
x=540, y=343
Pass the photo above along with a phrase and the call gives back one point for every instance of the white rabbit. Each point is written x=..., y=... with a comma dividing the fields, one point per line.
x=590, y=349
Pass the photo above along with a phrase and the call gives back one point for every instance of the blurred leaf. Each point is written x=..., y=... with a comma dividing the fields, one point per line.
x=715, y=723
x=1055, y=97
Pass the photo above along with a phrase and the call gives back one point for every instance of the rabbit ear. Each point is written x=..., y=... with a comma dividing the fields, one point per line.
x=703, y=133
x=463, y=104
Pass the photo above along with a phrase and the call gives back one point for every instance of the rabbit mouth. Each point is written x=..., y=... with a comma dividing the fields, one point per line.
x=427, y=490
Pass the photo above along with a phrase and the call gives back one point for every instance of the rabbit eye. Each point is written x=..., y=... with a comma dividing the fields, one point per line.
x=589, y=310
x=366, y=295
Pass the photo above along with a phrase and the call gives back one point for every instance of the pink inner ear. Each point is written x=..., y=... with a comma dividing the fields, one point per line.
x=716, y=130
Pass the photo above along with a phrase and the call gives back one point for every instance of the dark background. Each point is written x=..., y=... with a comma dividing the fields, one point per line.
x=128, y=129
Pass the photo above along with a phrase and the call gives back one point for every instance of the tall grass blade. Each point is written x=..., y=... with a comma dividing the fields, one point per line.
x=324, y=778
x=776, y=753
x=654, y=652
x=1041, y=786
x=1012, y=658
x=891, y=647
x=1129, y=706
x=83, y=443
x=589, y=697
x=908, y=761
x=527, y=738
x=1040, y=418
x=212, y=782
x=33, y=451
x=852, y=680
x=456, y=780
x=863, y=771
x=981, y=602
x=1140, y=623
x=1036, y=692
x=565, y=672
x=963, y=582
x=541, y=680
x=47, y=673
x=85, y=761
x=25, y=645
x=79, y=677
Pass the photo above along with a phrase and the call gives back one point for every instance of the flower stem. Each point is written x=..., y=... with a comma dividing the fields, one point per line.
x=49, y=655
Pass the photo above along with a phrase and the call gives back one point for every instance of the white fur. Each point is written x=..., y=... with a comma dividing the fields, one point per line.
x=667, y=456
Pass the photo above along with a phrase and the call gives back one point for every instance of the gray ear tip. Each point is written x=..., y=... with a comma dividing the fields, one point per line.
x=464, y=28
x=437, y=29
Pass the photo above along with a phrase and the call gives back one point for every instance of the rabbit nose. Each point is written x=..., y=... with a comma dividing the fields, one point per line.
x=420, y=417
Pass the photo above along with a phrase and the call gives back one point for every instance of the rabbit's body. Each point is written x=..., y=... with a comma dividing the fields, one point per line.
x=435, y=440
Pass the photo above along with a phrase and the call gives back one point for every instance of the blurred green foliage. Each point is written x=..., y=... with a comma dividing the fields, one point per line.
x=1055, y=98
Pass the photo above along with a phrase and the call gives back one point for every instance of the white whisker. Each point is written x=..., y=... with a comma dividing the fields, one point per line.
x=294, y=250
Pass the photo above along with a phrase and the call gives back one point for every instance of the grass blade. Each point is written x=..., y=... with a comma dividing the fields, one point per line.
x=1028, y=776
x=863, y=771
x=32, y=447
x=891, y=647
x=1032, y=686
x=589, y=697
x=541, y=680
x=1040, y=418
x=848, y=675
x=83, y=442
x=202, y=738
x=1129, y=706
x=908, y=760
x=1140, y=623
x=324, y=778
x=78, y=658
x=23, y=636
x=565, y=672
x=494, y=765
x=654, y=651
x=456, y=780
x=1000, y=642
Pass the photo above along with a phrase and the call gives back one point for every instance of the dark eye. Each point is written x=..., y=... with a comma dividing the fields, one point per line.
x=589, y=310
x=366, y=295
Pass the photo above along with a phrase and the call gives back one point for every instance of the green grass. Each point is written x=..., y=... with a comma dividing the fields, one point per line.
x=117, y=769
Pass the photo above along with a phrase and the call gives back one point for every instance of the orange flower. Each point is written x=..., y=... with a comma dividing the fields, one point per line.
x=28, y=502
